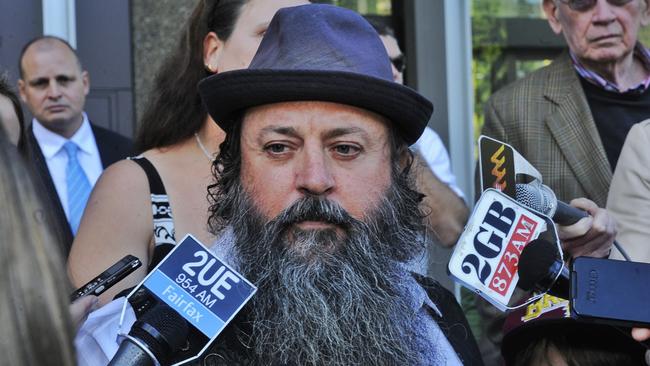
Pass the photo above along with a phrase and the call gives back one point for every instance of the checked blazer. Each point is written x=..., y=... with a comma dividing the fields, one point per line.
x=546, y=118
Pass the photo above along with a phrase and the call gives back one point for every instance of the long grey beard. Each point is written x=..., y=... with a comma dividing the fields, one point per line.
x=326, y=298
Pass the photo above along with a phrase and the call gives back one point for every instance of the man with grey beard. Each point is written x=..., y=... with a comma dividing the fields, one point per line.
x=315, y=204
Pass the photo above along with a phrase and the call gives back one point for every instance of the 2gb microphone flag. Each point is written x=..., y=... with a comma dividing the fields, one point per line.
x=486, y=257
x=203, y=289
x=497, y=165
x=501, y=166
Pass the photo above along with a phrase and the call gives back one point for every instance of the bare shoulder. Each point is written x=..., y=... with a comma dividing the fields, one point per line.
x=120, y=202
x=117, y=221
x=123, y=175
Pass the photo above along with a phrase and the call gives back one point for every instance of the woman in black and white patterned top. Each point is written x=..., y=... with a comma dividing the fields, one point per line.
x=179, y=142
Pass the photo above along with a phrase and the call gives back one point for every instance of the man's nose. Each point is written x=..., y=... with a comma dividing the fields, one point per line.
x=603, y=12
x=53, y=90
x=314, y=175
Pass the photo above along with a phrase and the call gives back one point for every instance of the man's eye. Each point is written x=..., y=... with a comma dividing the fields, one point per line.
x=276, y=148
x=347, y=150
x=40, y=84
x=63, y=80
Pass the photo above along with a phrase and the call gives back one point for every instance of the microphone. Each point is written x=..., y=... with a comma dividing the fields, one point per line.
x=541, y=269
x=201, y=293
x=541, y=198
x=153, y=339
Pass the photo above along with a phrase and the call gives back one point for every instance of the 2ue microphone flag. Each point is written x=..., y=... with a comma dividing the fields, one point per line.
x=199, y=286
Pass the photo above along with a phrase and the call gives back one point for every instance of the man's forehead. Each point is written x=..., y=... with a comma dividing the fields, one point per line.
x=332, y=119
x=45, y=52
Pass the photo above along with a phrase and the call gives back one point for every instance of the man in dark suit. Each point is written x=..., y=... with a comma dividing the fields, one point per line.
x=68, y=152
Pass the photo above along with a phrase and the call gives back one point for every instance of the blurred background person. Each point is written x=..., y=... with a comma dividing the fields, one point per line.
x=434, y=177
x=629, y=194
x=179, y=141
x=12, y=123
x=36, y=322
x=543, y=334
x=431, y=168
x=11, y=115
x=69, y=152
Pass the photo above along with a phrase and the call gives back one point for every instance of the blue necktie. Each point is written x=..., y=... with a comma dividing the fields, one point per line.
x=78, y=186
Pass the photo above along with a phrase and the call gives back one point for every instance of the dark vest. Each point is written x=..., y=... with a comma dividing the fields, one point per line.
x=614, y=115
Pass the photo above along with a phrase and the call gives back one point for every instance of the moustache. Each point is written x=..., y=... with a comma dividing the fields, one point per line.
x=312, y=208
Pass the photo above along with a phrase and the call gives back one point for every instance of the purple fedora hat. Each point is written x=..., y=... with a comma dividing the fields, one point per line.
x=318, y=52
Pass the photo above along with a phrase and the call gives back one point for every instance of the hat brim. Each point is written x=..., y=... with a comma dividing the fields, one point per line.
x=225, y=94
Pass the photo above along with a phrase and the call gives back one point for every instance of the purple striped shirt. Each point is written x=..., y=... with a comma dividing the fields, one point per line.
x=640, y=52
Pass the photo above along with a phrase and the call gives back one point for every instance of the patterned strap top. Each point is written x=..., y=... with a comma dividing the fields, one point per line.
x=163, y=221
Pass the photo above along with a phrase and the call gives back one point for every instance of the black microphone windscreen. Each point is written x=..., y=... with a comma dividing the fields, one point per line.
x=534, y=263
x=170, y=326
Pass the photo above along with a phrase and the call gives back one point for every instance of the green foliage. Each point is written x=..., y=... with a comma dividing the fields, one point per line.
x=488, y=33
x=644, y=36
x=374, y=7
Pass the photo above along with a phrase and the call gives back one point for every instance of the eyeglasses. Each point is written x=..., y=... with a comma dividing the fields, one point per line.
x=584, y=5
x=399, y=62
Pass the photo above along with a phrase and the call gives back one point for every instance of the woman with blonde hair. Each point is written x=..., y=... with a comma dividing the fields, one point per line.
x=36, y=323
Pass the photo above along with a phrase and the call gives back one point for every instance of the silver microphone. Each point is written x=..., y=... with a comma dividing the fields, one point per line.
x=541, y=198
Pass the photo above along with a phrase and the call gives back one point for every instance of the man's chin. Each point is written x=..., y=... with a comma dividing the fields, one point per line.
x=608, y=54
x=313, y=243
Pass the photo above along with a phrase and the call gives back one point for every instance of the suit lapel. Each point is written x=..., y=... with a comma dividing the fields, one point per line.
x=105, y=151
x=575, y=132
x=111, y=146
x=48, y=194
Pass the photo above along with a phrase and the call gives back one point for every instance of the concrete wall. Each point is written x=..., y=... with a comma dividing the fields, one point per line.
x=156, y=27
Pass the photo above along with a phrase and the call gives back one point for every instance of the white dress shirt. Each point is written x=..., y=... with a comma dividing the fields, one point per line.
x=51, y=145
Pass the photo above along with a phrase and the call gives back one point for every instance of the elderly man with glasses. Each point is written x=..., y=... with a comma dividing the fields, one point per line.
x=570, y=118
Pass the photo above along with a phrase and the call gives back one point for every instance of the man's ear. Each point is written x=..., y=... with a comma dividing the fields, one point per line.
x=645, y=13
x=406, y=159
x=212, y=51
x=21, y=90
x=85, y=79
x=552, y=10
